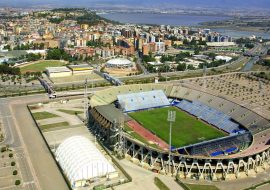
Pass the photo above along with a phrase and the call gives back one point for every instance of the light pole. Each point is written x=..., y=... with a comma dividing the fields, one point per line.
x=85, y=102
x=171, y=119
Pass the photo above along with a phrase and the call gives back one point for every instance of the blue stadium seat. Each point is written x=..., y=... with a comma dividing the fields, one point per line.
x=210, y=115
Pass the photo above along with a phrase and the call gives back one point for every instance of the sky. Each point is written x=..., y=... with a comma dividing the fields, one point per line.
x=233, y=4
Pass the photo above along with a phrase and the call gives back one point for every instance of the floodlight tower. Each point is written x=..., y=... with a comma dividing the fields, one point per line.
x=121, y=139
x=171, y=119
x=85, y=102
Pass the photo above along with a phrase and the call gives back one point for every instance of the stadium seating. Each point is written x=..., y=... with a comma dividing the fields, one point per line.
x=210, y=115
x=143, y=100
x=218, y=147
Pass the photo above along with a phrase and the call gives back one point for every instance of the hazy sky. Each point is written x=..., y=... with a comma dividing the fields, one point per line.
x=235, y=4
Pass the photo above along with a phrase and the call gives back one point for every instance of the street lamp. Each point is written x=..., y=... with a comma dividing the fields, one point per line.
x=171, y=119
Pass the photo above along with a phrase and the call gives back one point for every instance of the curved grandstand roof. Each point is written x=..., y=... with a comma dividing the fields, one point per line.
x=81, y=160
x=119, y=61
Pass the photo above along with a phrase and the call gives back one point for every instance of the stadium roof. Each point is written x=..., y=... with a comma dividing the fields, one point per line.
x=119, y=61
x=112, y=113
x=81, y=160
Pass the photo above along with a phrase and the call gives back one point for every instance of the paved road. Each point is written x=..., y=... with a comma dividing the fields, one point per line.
x=8, y=124
x=144, y=179
x=139, y=62
x=248, y=66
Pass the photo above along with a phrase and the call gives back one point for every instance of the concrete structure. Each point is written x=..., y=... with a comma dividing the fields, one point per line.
x=58, y=71
x=81, y=161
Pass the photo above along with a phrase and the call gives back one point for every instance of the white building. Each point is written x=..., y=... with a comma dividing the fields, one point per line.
x=58, y=71
x=81, y=161
x=224, y=58
x=119, y=63
x=160, y=47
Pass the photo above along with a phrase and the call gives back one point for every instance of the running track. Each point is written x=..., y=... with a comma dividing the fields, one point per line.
x=147, y=134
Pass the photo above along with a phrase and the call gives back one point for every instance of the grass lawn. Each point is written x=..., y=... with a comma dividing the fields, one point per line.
x=186, y=129
x=41, y=65
x=201, y=187
x=71, y=112
x=43, y=115
x=54, y=125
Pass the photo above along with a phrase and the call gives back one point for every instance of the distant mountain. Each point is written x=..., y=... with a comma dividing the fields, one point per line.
x=233, y=4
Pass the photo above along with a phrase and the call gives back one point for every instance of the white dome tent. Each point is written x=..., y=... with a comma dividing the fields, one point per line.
x=81, y=161
x=119, y=63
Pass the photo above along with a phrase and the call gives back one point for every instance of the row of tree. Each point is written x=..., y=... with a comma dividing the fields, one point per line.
x=6, y=69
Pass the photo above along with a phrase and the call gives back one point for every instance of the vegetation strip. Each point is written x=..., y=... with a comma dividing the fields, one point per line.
x=160, y=184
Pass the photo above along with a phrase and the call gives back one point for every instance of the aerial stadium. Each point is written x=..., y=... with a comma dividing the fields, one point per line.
x=211, y=138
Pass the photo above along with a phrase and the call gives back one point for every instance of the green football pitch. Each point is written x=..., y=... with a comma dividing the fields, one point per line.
x=40, y=66
x=186, y=129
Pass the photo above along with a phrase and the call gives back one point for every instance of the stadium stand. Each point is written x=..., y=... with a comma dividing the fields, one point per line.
x=210, y=115
x=221, y=146
x=143, y=100
x=180, y=92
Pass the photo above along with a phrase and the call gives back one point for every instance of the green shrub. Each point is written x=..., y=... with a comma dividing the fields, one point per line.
x=17, y=182
x=3, y=149
x=15, y=172
x=13, y=163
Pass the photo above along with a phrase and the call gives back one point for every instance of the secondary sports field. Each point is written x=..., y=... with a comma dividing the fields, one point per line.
x=185, y=131
x=40, y=66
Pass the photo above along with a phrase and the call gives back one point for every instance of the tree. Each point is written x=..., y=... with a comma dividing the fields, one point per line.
x=6, y=69
x=7, y=47
x=212, y=55
x=148, y=58
x=57, y=54
x=191, y=67
x=15, y=172
x=197, y=50
x=17, y=182
x=33, y=57
x=181, y=67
